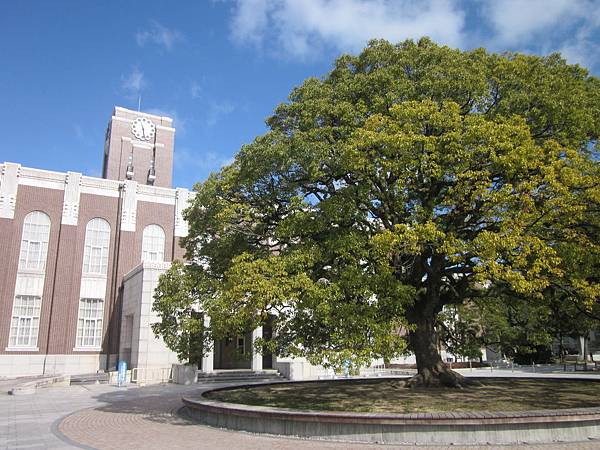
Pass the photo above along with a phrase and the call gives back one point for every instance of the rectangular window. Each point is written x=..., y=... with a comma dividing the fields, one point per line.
x=89, y=324
x=153, y=243
x=25, y=321
x=240, y=345
x=152, y=256
x=33, y=254
x=95, y=260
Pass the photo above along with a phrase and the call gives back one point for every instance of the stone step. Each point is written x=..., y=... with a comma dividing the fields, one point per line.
x=236, y=380
x=245, y=377
x=240, y=372
x=239, y=375
x=90, y=378
x=31, y=386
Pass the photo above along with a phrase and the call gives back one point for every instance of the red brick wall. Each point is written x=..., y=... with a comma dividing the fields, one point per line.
x=65, y=260
x=159, y=214
x=70, y=264
x=29, y=198
x=178, y=250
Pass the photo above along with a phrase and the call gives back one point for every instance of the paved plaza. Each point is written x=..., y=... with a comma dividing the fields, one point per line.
x=109, y=417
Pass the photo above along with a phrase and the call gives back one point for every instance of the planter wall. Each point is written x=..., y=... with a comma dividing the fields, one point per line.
x=185, y=373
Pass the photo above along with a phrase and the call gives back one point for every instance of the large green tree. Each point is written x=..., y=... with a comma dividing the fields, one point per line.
x=411, y=177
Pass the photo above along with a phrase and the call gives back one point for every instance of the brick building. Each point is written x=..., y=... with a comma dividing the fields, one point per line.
x=72, y=246
x=81, y=257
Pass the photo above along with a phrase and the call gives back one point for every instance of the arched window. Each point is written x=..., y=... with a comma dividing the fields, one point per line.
x=25, y=321
x=95, y=253
x=153, y=243
x=34, y=241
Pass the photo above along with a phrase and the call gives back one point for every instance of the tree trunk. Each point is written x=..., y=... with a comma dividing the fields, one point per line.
x=431, y=370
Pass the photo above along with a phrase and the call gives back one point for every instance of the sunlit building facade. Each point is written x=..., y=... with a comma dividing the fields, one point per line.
x=70, y=242
x=81, y=258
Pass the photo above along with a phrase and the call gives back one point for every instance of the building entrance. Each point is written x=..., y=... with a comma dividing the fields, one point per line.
x=236, y=351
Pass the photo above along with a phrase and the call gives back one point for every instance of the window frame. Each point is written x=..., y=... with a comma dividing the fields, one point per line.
x=240, y=344
x=36, y=230
x=96, y=247
x=152, y=236
x=83, y=320
x=34, y=322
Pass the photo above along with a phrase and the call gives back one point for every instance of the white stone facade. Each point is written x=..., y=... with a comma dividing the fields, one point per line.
x=138, y=345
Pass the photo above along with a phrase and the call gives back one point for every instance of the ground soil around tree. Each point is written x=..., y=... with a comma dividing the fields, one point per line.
x=388, y=396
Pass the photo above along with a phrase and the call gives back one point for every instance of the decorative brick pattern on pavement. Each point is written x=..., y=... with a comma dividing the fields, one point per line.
x=107, y=417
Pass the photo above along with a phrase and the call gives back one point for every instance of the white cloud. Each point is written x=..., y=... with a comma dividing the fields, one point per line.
x=571, y=27
x=250, y=20
x=581, y=47
x=218, y=110
x=79, y=132
x=186, y=158
x=516, y=21
x=133, y=83
x=195, y=90
x=302, y=29
x=178, y=122
x=228, y=161
x=160, y=35
x=82, y=137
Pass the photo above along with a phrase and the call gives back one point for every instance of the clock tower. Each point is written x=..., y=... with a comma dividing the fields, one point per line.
x=139, y=147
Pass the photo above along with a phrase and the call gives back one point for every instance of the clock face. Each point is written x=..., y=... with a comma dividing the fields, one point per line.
x=143, y=129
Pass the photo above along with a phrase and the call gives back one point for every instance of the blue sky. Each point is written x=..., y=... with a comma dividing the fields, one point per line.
x=219, y=68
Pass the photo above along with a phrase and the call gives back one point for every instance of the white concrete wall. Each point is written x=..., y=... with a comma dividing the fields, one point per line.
x=28, y=365
x=147, y=351
x=409, y=359
x=298, y=369
x=132, y=299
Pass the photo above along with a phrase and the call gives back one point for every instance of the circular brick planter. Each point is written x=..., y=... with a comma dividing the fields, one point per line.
x=465, y=428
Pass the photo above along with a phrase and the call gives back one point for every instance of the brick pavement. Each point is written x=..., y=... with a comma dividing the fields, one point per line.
x=107, y=417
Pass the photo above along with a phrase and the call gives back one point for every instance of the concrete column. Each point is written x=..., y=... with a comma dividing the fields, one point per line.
x=582, y=349
x=9, y=184
x=70, y=214
x=257, y=362
x=209, y=356
x=182, y=197
x=129, y=209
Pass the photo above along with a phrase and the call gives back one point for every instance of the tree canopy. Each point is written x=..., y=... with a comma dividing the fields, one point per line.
x=411, y=177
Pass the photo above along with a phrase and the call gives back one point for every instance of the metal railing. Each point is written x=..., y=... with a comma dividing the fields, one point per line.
x=382, y=371
x=146, y=375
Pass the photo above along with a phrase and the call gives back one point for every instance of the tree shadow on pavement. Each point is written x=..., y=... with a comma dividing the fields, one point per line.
x=156, y=403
